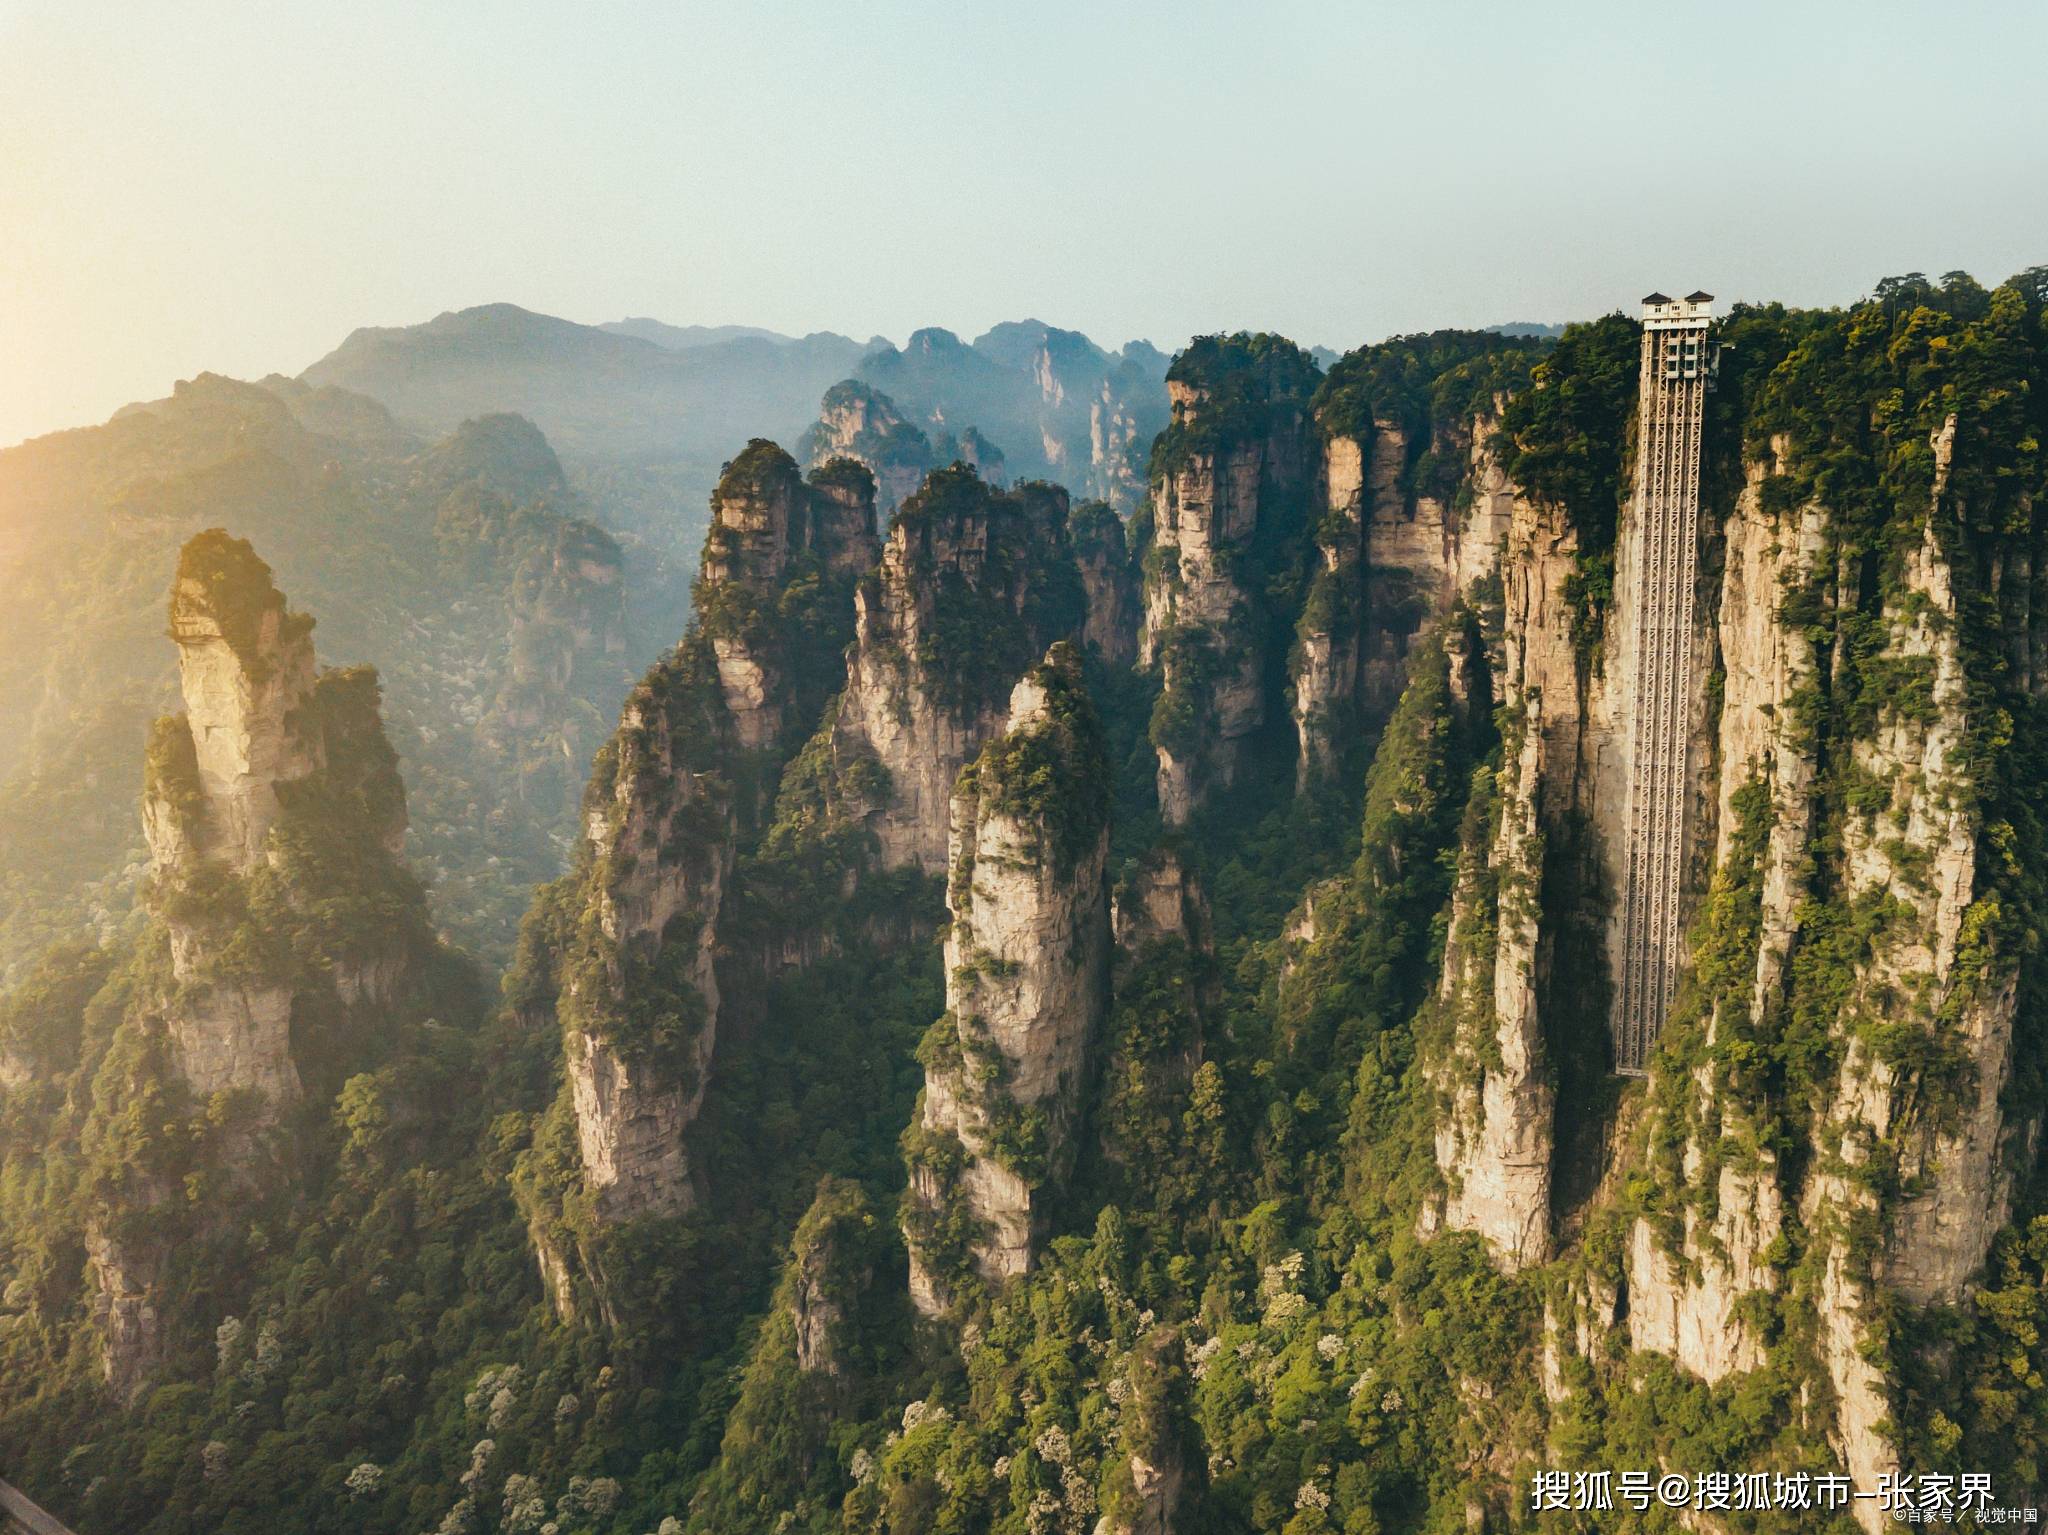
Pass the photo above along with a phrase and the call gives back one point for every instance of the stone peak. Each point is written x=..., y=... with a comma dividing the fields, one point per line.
x=223, y=590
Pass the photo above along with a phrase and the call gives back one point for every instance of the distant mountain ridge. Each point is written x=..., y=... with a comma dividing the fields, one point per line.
x=681, y=338
x=644, y=413
x=595, y=393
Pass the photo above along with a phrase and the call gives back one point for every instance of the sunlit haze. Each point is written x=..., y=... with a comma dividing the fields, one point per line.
x=207, y=185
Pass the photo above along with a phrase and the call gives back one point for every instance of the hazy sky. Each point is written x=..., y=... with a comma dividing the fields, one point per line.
x=187, y=184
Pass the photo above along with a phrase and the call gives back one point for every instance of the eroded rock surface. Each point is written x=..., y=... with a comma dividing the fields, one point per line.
x=1027, y=975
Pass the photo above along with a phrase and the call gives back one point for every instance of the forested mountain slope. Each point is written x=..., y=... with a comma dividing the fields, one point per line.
x=1065, y=1024
x=464, y=569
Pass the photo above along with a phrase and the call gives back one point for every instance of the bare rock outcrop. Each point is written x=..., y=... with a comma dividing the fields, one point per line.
x=1685, y=1286
x=262, y=732
x=858, y=422
x=974, y=584
x=245, y=665
x=639, y=991
x=1493, y=1140
x=1330, y=634
x=1425, y=549
x=126, y=1278
x=1233, y=477
x=1027, y=975
x=274, y=815
x=769, y=527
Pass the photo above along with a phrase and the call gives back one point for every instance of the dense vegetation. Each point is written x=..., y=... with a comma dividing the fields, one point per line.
x=1238, y=1284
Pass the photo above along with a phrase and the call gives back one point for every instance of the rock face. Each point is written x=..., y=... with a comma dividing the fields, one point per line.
x=1027, y=975
x=1391, y=558
x=125, y=1307
x=1414, y=509
x=1144, y=1493
x=1683, y=1302
x=1329, y=637
x=639, y=994
x=1161, y=901
x=274, y=815
x=830, y=1269
x=629, y=945
x=858, y=422
x=246, y=669
x=1108, y=582
x=1159, y=908
x=770, y=528
x=1424, y=550
x=1232, y=481
x=1493, y=1145
x=1939, y=969
x=259, y=726
x=1826, y=1131
x=974, y=584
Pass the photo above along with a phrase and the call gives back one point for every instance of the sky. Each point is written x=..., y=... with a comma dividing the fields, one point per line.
x=196, y=184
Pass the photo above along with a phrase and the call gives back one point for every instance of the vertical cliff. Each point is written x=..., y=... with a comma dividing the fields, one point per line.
x=272, y=771
x=635, y=979
x=1233, y=480
x=974, y=583
x=1415, y=508
x=1109, y=582
x=624, y=956
x=1488, y=1069
x=245, y=666
x=287, y=928
x=1329, y=636
x=858, y=422
x=774, y=595
x=1688, y=1268
x=1807, y=1188
x=1027, y=973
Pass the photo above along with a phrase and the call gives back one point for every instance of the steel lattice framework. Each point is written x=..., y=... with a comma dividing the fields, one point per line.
x=1677, y=368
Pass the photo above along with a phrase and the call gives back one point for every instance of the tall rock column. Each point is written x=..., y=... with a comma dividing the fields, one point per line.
x=639, y=994
x=274, y=815
x=1108, y=580
x=1914, y=1133
x=1494, y=1137
x=974, y=584
x=1493, y=1143
x=1328, y=637
x=1027, y=972
x=245, y=667
x=858, y=423
x=259, y=729
x=771, y=533
x=1232, y=481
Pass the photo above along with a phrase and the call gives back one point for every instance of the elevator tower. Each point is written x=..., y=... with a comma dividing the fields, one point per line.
x=1677, y=370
